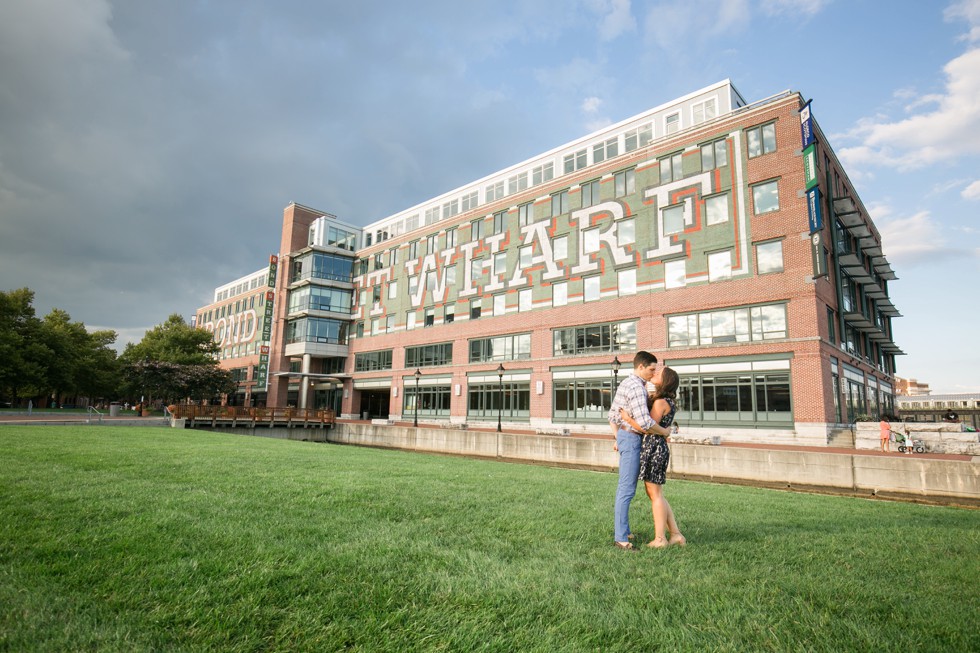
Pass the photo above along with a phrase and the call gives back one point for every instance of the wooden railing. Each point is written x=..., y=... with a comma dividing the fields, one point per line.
x=250, y=414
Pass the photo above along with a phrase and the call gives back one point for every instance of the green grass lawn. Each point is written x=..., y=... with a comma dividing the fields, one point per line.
x=143, y=539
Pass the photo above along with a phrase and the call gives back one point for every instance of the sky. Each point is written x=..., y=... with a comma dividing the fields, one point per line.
x=148, y=149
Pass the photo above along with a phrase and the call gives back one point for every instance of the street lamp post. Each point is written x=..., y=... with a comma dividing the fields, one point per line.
x=418, y=375
x=616, y=365
x=500, y=396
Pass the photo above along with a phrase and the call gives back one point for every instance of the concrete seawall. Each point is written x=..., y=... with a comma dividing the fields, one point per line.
x=925, y=478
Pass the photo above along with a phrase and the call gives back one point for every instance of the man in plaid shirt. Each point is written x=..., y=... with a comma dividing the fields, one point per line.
x=631, y=396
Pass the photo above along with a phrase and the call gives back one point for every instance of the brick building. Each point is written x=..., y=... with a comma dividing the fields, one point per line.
x=701, y=230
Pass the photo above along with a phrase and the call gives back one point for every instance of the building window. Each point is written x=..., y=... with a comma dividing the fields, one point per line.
x=470, y=201
x=390, y=323
x=639, y=137
x=832, y=329
x=319, y=330
x=673, y=217
x=671, y=168
x=559, y=248
x=592, y=288
x=595, y=338
x=433, y=400
x=672, y=123
x=432, y=215
x=371, y=361
x=485, y=401
x=769, y=257
x=765, y=197
x=526, y=256
x=476, y=269
x=761, y=140
x=575, y=161
x=501, y=348
x=627, y=282
x=716, y=209
x=429, y=355
x=499, y=222
x=476, y=307
x=449, y=276
x=450, y=208
x=375, y=326
x=626, y=231
x=543, y=173
x=675, y=273
x=476, y=229
x=590, y=240
x=742, y=399
x=499, y=304
x=625, y=182
x=720, y=265
x=749, y=324
x=431, y=244
x=449, y=314
x=413, y=286
x=517, y=183
x=451, y=238
x=525, y=214
x=704, y=111
x=590, y=193
x=376, y=295
x=559, y=203
x=605, y=150
x=582, y=400
x=714, y=155
x=524, y=300
x=393, y=256
x=430, y=317
x=410, y=320
x=495, y=191
x=500, y=263
x=559, y=294
x=413, y=249
x=393, y=289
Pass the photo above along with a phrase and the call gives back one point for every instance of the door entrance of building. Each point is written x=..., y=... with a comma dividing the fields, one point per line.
x=375, y=403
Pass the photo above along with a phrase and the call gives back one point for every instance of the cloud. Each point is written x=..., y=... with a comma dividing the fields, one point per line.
x=807, y=8
x=968, y=10
x=971, y=192
x=950, y=131
x=617, y=18
x=915, y=239
x=694, y=21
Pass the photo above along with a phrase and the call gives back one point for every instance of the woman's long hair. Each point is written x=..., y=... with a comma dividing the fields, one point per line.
x=669, y=381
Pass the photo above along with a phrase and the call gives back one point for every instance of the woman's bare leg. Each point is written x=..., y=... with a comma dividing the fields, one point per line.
x=659, y=508
x=676, y=537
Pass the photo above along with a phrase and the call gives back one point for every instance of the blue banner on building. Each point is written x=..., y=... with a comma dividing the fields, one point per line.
x=806, y=126
x=813, y=210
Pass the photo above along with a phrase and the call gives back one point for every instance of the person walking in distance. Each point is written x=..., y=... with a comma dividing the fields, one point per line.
x=631, y=397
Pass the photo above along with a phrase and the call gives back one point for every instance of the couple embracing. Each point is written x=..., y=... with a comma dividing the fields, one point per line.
x=642, y=422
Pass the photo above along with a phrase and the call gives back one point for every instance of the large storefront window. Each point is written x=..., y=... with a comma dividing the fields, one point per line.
x=433, y=400
x=747, y=324
x=582, y=400
x=501, y=348
x=748, y=399
x=429, y=355
x=486, y=400
x=595, y=338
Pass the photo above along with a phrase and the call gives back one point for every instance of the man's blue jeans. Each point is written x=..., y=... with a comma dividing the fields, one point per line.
x=629, y=471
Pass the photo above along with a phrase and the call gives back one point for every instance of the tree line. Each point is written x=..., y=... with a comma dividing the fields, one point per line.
x=54, y=360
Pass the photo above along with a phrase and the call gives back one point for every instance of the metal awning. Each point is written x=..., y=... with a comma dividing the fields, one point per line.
x=859, y=321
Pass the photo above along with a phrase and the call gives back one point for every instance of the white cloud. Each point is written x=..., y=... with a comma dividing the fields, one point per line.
x=806, y=8
x=971, y=192
x=591, y=104
x=968, y=10
x=669, y=23
x=915, y=239
x=617, y=18
x=950, y=131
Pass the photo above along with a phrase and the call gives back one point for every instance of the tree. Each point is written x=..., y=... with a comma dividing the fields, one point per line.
x=174, y=361
x=20, y=348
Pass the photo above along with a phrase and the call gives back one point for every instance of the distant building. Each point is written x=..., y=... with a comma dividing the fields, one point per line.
x=910, y=387
x=723, y=236
x=237, y=318
x=932, y=408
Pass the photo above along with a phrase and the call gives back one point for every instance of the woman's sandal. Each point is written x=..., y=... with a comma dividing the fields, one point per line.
x=625, y=546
